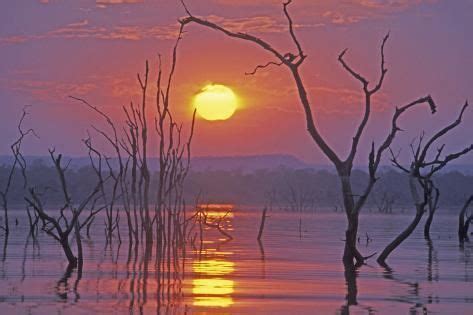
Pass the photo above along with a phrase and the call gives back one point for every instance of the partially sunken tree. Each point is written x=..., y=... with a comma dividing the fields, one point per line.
x=344, y=165
x=67, y=221
x=155, y=212
x=464, y=220
x=19, y=164
x=423, y=167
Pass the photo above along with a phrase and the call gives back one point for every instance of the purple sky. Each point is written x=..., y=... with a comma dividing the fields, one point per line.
x=93, y=49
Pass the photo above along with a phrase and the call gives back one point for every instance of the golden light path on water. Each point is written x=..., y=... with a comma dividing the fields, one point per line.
x=212, y=285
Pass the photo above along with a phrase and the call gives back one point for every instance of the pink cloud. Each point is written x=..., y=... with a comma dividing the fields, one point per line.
x=342, y=18
x=259, y=24
x=390, y=4
x=339, y=12
x=108, y=2
x=47, y=91
x=83, y=29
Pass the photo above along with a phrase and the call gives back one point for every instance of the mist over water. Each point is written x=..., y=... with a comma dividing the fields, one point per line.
x=292, y=272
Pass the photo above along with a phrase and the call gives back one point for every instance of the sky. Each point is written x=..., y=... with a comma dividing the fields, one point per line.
x=51, y=49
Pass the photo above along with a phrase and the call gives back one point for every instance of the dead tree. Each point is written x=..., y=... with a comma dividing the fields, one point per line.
x=433, y=194
x=464, y=221
x=385, y=202
x=116, y=174
x=421, y=171
x=164, y=222
x=300, y=199
x=174, y=162
x=19, y=164
x=60, y=228
x=130, y=187
x=271, y=196
x=344, y=166
x=262, y=222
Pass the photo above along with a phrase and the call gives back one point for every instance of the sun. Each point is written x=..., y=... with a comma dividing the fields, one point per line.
x=215, y=102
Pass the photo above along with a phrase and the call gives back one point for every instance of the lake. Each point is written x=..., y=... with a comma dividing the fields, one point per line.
x=291, y=272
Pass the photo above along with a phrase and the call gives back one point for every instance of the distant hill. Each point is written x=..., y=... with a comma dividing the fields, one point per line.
x=243, y=163
x=248, y=163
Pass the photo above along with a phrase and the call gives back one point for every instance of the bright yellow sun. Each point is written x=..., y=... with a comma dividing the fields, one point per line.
x=215, y=102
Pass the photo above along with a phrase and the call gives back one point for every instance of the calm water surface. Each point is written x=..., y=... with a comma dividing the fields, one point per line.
x=289, y=273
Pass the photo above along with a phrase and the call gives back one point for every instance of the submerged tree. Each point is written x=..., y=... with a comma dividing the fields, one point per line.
x=121, y=181
x=423, y=167
x=19, y=164
x=68, y=221
x=344, y=166
x=153, y=216
x=464, y=221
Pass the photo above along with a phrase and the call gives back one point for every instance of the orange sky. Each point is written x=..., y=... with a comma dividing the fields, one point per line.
x=93, y=49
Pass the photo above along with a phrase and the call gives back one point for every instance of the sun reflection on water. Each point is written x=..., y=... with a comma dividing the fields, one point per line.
x=213, y=301
x=212, y=289
x=212, y=285
x=213, y=267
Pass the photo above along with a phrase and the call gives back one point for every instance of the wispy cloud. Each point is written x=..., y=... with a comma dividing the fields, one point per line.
x=344, y=100
x=106, y=3
x=394, y=4
x=83, y=29
x=390, y=4
x=357, y=11
x=256, y=24
x=47, y=91
x=112, y=2
x=341, y=18
x=339, y=12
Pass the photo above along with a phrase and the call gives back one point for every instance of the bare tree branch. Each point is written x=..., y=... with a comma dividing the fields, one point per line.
x=263, y=66
x=355, y=74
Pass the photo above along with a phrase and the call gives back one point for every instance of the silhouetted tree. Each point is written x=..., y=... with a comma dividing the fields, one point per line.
x=19, y=164
x=423, y=189
x=385, y=202
x=60, y=227
x=344, y=166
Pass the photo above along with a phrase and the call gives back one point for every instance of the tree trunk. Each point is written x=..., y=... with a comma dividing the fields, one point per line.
x=427, y=225
x=466, y=227
x=462, y=228
x=68, y=252
x=80, y=256
x=4, y=197
x=350, y=253
x=300, y=227
x=420, y=207
x=401, y=237
x=5, y=247
x=7, y=226
x=261, y=226
x=352, y=289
